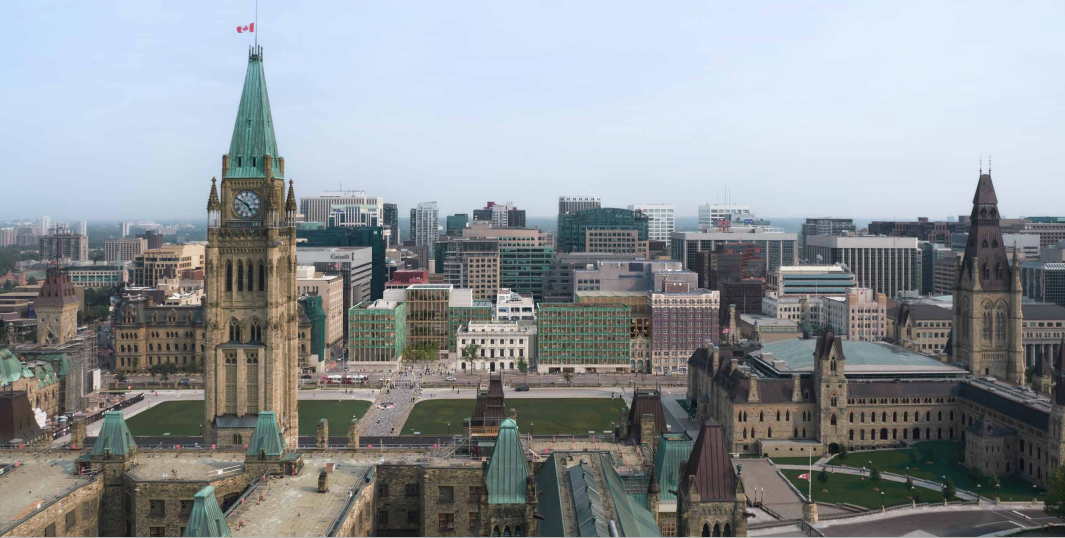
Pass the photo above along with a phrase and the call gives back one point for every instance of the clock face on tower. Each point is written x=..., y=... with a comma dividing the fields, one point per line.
x=246, y=204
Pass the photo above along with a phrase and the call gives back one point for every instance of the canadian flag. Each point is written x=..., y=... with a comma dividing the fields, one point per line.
x=804, y=476
x=247, y=28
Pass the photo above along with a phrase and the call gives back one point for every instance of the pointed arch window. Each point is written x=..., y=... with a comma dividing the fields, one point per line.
x=234, y=331
x=256, y=331
x=240, y=275
x=262, y=277
x=833, y=420
x=1000, y=323
x=251, y=279
x=986, y=329
x=229, y=276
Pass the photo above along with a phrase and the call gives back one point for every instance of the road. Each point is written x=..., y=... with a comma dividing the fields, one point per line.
x=948, y=521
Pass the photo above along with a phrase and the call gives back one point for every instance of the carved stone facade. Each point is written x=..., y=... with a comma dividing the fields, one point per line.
x=251, y=315
x=149, y=335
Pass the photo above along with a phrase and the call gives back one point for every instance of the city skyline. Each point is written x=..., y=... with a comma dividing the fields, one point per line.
x=528, y=103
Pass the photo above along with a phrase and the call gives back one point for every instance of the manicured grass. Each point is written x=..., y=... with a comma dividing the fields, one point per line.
x=794, y=461
x=947, y=459
x=183, y=418
x=338, y=413
x=859, y=490
x=541, y=416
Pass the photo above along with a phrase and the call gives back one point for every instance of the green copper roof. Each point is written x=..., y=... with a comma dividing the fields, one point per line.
x=672, y=449
x=549, y=499
x=45, y=375
x=60, y=362
x=634, y=519
x=12, y=369
x=267, y=436
x=253, y=133
x=508, y=470
x=114, y=436
x=206, y=518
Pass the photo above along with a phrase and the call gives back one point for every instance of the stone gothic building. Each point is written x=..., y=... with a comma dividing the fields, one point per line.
x=251, y=316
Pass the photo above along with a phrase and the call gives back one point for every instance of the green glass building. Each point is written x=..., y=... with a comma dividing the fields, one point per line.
x=458, y=316
x=572, y=226
x=456, y=223
x=352, y=236
x=377, y=331
x=522, y=268
x=583, y=337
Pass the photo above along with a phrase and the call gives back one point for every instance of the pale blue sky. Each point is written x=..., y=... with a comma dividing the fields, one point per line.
x=862, y=109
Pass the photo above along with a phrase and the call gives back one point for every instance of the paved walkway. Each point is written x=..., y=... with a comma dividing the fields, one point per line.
x=891, y=477
x=764, y=484
x=378, y=422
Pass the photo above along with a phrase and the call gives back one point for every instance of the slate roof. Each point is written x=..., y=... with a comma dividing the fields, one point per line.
x=508, y=472
x=645, y=402
x=1042, y=312
x=633, y=517
x=672, y=449
x=770, y=390
x=253, y=131
x=113, y=436
x=861, y=358
x=1016, y=410
x=711, y=466
x=267, y=436
x=985, y=240
x=142, y=313
x=57, y=290
x=587, y=501
x=17, y=420
x=922, y=312
x=206, y=518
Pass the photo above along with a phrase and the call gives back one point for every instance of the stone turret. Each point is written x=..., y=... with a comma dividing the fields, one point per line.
x=752, y=393
x=796, y=389
x=353, y=433
x=322, y=435
x=206, y=518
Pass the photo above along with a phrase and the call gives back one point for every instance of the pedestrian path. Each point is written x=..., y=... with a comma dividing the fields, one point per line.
x=891, y=477
x=391, y=408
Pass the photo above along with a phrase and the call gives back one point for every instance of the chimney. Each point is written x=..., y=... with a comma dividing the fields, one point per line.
x=715, y=360
x=752, y=393
x=796, y=391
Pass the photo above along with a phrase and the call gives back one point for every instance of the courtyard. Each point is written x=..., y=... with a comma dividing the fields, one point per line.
x=539, y=416
x=183, y=418
x=859, y=490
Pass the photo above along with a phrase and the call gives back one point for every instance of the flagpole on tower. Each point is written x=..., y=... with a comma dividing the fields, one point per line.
x=257, y=23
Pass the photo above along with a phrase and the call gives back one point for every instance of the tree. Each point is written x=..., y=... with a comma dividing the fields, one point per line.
x=31, y=280
x=822, y=477
x=523, y=367
x=874, y=474
x=470, y=352
x=9, y=285
x=96, y=255
x=948, y=489
x=916, y=495
x=1055, y=498
x=995, y=485
x=842, y=452
x=568, y=376
x=121, y=376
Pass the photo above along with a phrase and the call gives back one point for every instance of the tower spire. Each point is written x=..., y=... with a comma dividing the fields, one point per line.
x=253, y=132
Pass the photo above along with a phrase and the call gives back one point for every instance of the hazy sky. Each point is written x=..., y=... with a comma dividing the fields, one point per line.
x=862, y=109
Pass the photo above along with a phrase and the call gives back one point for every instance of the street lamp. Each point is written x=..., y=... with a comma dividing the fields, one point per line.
x=449, y=428
x=531, y=424
x=881, y=500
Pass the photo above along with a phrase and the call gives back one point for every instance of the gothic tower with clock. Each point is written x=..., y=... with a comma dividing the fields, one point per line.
x=251, y=312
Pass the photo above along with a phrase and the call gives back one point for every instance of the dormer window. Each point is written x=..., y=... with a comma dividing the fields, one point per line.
x=240, y=162
x=253, y=161
x=994, y=243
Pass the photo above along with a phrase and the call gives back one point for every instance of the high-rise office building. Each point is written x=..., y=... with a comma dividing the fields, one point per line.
x=456, y=223
x=712, y=215
x=525, y=255
x=390, y=222
x=680, y=323
x=322, y=207
x=577, y=230
x=361, y=236
x=806, y=280
x=354, y=265
x=516, y=218
x=424, y=224
x=124, y=249
x=473, y=263
x=168, y=261
x=82, y=227
x=500, y=215
x=888, y=265
x=64, y=245
x=125, y=228
x=824, y=226
x=582, y=338
x=660, y=221
x=44, y=225
x=573, y=204
x=777, y=247
x=8, y=236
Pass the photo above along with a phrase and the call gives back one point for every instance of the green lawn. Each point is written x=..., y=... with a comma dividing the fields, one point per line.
x=541, y=416
x=794, y=461
x=183, y=418
x=859, y=490
x=946, y=460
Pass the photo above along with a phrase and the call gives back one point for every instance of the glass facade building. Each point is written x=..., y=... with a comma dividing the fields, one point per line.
x=573, y=227
x=583, y=338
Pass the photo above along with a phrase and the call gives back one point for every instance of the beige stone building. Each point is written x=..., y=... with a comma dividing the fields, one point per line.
x=331, y=289
x=615, y=242
x=124, y=249
x=169, y=260
x=147, y=335
x=860, y=315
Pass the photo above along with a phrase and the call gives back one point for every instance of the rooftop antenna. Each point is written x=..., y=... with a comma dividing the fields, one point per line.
x=981, y=164
x=989, y=164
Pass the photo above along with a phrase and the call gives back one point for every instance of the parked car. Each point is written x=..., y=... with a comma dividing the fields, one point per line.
x=522, y=388
x=450, y=378
x=183, y=383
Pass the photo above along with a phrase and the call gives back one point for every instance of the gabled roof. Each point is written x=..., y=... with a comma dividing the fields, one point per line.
x=645, y=402
x=549, y=499
x=114, y=436
x=253, y=132
x=633, y=517
x=826, y=343
x=206, y=518
x=508, y=471
x=672, y=449
x=711, y=466
x=267, y=436
x=587, y=501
